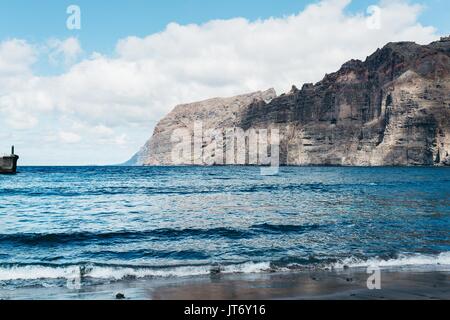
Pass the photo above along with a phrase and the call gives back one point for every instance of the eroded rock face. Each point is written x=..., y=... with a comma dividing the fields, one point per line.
x=212, y=113
x=392, y=109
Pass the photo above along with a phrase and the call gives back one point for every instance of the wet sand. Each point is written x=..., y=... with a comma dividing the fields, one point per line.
x=313, y=285
x=326, y=285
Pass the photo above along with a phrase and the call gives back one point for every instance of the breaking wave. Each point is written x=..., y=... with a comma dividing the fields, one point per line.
x=34, y=272
x=115, y=272
x=403, y=260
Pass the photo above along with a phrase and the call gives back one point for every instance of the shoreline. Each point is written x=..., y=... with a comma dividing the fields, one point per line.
x=350, y=284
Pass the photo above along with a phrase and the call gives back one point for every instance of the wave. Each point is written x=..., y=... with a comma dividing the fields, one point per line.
x=175, y=190
x=150, y=253
x=12, y=272
x=156, y=234
x=402, y=260
x=279, y=228
x=35, y=272
x=173, y=234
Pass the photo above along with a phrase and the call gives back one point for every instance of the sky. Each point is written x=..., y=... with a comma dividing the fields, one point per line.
x=93, y=95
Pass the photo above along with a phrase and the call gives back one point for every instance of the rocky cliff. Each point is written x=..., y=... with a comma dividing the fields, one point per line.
x=391, y=109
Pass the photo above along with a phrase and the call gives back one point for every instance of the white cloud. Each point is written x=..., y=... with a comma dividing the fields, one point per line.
x=20, y=119
x=69, y=137
x=102, y=130
x=16, y=57
x=146, y=77
x=64, y=51
x=121, y=139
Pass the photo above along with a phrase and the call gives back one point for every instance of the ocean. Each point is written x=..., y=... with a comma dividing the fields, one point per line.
x=81, y=226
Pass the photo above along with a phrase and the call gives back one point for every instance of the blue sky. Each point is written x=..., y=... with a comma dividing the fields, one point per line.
x=93, y=96
x=104, y=22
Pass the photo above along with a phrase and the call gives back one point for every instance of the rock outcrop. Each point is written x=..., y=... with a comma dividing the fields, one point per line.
x=391, y=109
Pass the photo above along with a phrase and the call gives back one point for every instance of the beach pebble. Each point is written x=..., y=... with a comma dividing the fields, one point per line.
x=120, y=296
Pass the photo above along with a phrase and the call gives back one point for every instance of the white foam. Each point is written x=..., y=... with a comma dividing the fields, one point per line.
x=403, y=260
x=33, y=272
x=117, y=273
x=249, y=267
x=36, y=272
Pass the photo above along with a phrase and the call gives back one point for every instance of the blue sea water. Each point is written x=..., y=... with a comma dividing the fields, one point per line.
x=110, y=223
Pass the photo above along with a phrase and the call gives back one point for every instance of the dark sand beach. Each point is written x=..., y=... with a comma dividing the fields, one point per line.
x=307, y=285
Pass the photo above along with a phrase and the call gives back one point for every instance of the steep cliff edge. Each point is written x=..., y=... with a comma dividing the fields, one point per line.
x=391, y=109
x=213, y=113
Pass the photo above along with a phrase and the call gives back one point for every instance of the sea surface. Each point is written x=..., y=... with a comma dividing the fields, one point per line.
x=79, y=226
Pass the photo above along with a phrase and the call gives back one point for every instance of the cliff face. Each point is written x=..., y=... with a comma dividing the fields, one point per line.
x=212, y=113
x=391, y=109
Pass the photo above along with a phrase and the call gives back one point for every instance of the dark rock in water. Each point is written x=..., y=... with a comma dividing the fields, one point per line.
x=391, y=109
x=215, y=269
x=8, y=164
x=85, y=270
x=120, y=296
x=349, y=280
x=346, y=267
